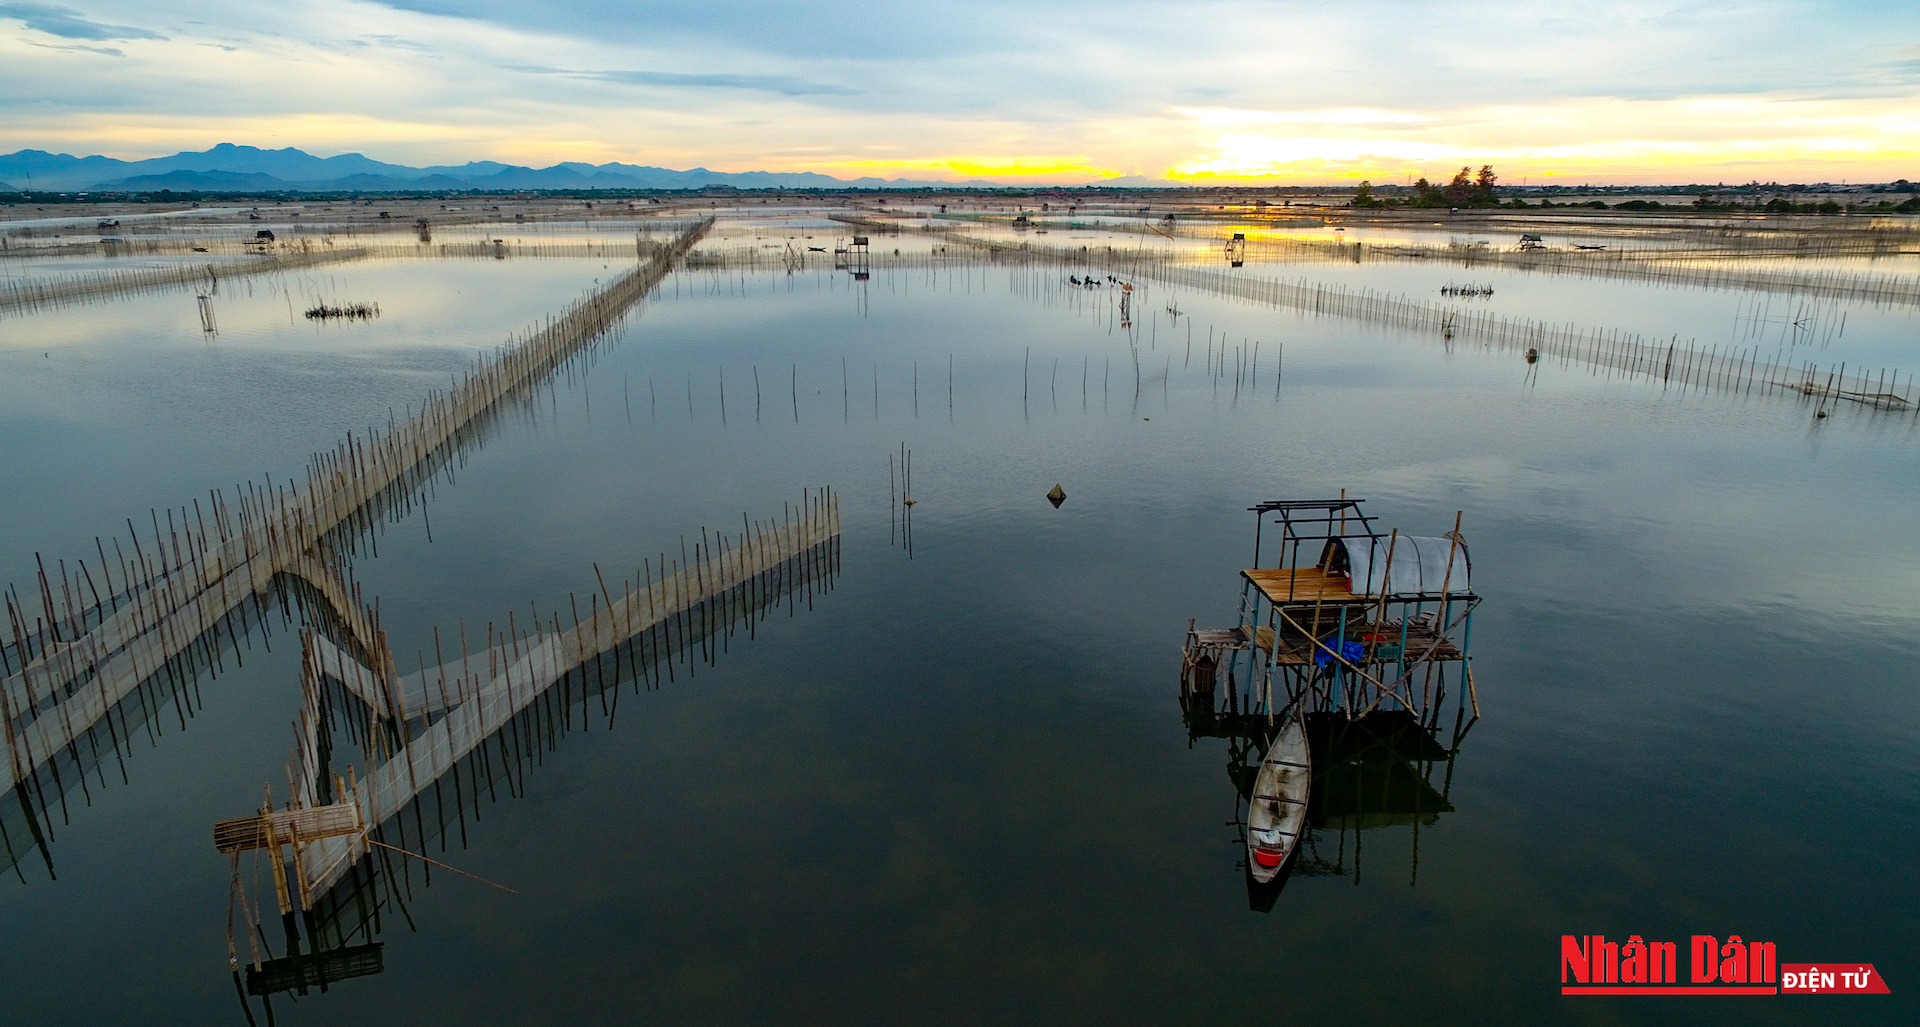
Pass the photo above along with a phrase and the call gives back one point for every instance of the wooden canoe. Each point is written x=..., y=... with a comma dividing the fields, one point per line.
x=1277, y=813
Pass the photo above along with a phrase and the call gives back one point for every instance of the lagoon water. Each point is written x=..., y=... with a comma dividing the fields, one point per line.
x=957, y=786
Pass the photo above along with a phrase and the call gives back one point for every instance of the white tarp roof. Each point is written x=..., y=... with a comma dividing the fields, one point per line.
x=1419, y=565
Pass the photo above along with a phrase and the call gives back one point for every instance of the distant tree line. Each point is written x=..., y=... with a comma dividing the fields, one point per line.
x=1468, y=189
x=1479, y=189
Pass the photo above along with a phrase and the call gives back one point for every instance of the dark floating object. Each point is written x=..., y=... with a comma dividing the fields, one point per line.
x=1816, y=414
x=1533, y=356
x=351, y=311
x=1057, y=495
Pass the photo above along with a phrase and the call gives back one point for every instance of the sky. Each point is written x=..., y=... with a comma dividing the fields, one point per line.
x=1286, y=92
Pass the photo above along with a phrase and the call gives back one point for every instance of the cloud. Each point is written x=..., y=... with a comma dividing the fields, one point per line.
x=396, y=42
x=785, y=85
x=68, y=23
x=882, y=30
x=110, y=51
x=1621, y=90
x=1346, y=116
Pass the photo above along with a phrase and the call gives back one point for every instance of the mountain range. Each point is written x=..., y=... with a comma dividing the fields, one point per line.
x=231, y=168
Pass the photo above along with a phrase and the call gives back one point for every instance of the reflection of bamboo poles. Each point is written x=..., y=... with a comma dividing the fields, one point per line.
x=477, y=239
x=1676, y=267
x=23, y=295
x=726, y=582
x=1664, y=266
x=240, y=260
x=443, y=866
x=1631, y=354
x=770, y=564
x=1721, y=236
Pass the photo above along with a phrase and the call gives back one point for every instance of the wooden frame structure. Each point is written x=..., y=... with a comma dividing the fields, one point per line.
x=1342, y=616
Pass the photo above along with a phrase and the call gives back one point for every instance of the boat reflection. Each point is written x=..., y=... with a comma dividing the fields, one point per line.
x=1382, y=770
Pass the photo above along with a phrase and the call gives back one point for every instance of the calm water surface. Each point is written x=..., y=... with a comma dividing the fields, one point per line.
x=958, y=788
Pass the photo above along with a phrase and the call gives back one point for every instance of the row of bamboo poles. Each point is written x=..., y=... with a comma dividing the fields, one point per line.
x=1723, y=269
x=69, y=664
x=1668, y=361
x=1771, y=235
x=175, y=236
x=462, y=243
x=1649, y=235
x=28, y=294
x=423, y=725
x=1661, y=266
x=364, y=891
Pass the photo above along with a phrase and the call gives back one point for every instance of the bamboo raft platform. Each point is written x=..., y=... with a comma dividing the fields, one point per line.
x=1304, y=585
x=1297, y=649
x=64, y=670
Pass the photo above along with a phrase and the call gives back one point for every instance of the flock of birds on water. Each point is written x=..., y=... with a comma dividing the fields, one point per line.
x=1091, y=282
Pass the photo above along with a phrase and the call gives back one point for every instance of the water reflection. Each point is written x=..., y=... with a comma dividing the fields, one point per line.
x=434, y=745
x=1564, y=476
x=1382, y=770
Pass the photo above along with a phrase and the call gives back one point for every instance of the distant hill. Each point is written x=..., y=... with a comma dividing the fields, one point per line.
x=196, y=181
x=231, y=168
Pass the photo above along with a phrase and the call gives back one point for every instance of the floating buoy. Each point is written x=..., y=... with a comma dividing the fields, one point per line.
x=1533, y=356
x=1817, y=414
x=1057, y=495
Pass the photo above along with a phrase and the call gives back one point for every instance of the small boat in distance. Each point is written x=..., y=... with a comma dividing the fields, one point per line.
x=1277, y=813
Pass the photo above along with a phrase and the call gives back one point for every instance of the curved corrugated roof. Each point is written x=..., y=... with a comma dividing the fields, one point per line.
x=1421, y=565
